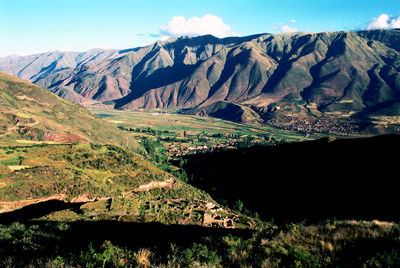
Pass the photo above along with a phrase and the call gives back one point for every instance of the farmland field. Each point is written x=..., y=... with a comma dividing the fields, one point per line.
x=178, y=123
x=188, y=130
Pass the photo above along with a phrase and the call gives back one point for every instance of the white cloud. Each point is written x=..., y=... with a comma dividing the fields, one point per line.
x=293, y=21
x=384, y=22
x=164, y=37
x=287, y=29
x=208, y=24
x=380, y=22
x=395, y=23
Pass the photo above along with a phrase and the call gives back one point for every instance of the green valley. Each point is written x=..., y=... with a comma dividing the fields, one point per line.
x=255, y=151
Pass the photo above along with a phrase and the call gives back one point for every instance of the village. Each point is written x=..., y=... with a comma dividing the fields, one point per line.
x=314, y=126
x=176, y=150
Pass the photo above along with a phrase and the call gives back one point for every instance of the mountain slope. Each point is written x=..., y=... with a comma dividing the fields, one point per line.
x=29, y=112
x=224, y=110
x=303, y=75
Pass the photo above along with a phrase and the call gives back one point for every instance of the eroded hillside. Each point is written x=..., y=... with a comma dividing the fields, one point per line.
x=283, y=77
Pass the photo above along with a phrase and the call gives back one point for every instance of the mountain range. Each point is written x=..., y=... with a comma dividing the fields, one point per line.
x=283, y=78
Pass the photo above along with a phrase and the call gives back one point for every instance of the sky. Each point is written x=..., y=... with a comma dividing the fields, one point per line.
x=36, y=26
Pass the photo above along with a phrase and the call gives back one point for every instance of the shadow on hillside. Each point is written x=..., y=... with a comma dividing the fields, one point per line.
x=160, y=77
x=315, y=180
x=136, y=235
x=79, y=234
x=76, y=236
x=37, y=210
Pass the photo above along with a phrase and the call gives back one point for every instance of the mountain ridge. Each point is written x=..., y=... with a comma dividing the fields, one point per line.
x=338, y=75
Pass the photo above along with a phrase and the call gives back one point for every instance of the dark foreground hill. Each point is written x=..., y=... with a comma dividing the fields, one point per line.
x=314, y=180
x=283, y=77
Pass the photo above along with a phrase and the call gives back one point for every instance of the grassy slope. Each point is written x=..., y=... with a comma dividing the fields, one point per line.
x=108, y=182
x=31, y=112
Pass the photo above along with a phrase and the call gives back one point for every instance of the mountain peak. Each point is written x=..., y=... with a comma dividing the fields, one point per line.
x=342, y=74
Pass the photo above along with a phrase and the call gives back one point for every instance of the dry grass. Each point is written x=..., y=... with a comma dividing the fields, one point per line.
x=4, y=170
x=36, y=142
x=18, y=167
x=332, y=237
x=142, y=258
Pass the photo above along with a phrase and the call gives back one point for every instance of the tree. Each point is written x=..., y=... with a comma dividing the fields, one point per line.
x=148, y=145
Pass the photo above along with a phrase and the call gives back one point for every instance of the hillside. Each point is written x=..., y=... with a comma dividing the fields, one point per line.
x=225, y=110
x=29, y=113
x=56, y=156
x=90, y=182
x=283, y=77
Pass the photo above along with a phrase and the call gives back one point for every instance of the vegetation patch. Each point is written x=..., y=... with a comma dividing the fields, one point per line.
x=112, y=183
x=329, y=244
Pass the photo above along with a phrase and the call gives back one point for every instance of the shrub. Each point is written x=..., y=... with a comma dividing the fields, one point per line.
x=195, y=255
x=142, y=257
x=389, y=258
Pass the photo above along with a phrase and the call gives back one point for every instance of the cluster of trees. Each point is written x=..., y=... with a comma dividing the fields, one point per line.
x=147, y=130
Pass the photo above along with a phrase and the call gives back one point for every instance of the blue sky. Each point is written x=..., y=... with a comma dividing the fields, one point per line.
x=34, y=26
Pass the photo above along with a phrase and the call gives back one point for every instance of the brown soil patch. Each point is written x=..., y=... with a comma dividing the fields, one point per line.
x=63, y=137
x=156, y=184
x=24, y=97
x=83, y=199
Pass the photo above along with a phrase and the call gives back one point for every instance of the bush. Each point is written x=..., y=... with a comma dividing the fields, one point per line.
x=108, y=255
x=197, y=254
x=389, y=258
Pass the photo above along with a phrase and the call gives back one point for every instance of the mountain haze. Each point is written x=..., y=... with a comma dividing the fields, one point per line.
x=302, y=75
